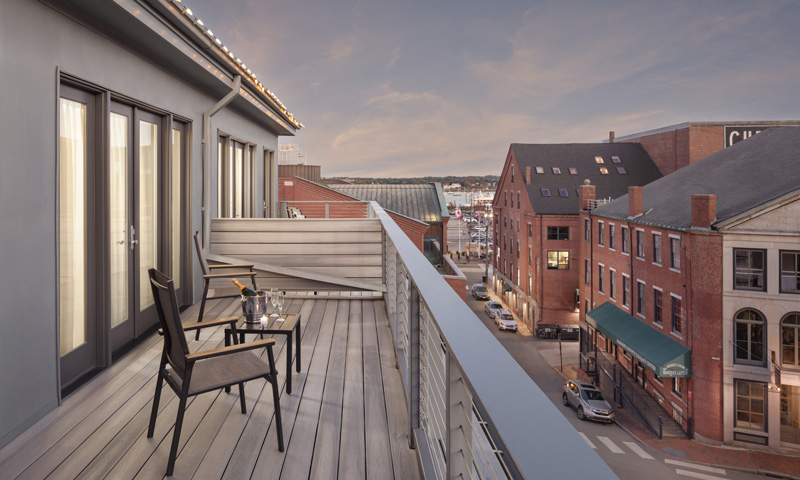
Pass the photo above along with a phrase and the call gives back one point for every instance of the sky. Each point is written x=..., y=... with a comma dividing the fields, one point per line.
x=406, y=88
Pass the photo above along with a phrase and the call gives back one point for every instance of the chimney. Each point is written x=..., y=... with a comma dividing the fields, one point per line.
x=586, y=195
x=704, y=210
x=611, y=136
x=527, y=174
x=635, y=201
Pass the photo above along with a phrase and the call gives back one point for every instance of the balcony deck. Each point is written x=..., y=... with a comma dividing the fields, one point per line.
x=346, y=418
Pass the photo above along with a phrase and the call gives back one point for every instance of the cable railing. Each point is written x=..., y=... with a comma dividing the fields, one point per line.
x=462, y=385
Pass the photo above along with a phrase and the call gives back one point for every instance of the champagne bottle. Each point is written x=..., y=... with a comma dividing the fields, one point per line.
x=246, y=292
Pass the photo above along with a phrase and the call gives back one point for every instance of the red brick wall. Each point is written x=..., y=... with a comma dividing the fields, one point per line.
x=455, y=278
x=698, y=283
x=414, y=230
x=705, y=140
x=669, y=150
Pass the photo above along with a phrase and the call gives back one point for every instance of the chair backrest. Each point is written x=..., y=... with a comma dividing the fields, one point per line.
x=200, y=255
x=170, y=319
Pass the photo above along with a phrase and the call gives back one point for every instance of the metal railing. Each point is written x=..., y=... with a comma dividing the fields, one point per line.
x=464, y=390
x=324, y=209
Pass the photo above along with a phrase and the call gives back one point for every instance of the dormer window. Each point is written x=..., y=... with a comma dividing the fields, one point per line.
x=598, y=160
x=540, y=170
x=603, y=170
x=563, y=192
x=621, y=170
x=556, y=170
x=615, y=159
x=545, y=192
x=573, y=171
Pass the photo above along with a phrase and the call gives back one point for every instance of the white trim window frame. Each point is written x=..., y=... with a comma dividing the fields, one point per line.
x=612, y=284
x=676, y=310
x=657, y=249
x=640, y=253
x=612, y=241
x=600, y=240
x=658, y=307
x=675, y=253
x=641, y=297
x=626, y=246
x=626, y=291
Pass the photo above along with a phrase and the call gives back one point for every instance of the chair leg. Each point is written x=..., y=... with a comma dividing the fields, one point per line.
x=241, y=397
x=273, y=379
x=156, y=399
x=202, y=308
x=176, y=436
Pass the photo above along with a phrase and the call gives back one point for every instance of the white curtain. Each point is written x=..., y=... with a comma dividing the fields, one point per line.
x=118, y=218
x=72, y=225
x=148, y=208
x=176, y=207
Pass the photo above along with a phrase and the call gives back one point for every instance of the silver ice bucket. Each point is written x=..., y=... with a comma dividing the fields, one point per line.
x=254, y=308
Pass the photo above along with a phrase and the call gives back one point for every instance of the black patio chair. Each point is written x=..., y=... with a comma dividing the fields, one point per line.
x=194, y=373
x=208, y=276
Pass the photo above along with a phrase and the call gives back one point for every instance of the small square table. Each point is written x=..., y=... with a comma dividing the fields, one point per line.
x=289, y=326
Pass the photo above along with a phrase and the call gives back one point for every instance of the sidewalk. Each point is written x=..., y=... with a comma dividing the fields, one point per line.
x=754, y=461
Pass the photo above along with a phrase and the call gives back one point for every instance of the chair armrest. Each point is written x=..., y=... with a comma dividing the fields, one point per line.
x=230, y=275
x=242, y=347
x=211, y=323
x=241, y=265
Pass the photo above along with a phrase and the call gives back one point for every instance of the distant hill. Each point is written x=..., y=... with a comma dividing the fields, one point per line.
x=467, y=182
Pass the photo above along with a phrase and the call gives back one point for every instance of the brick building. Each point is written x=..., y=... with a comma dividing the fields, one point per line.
x=699, y=301
x=536, y=220
x=676, y=146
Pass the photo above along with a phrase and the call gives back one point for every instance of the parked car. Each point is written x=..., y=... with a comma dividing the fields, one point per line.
x=588, y=400
x=492, y=308
x=505, y=321
x=480, y=292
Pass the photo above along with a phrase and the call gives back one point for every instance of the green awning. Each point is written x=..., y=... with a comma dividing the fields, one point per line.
x=656, y=351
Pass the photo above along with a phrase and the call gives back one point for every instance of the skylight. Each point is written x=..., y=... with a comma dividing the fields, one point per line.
x=557, y=170
x=573, y=171
x=539, y=169
x=621, y=170
x=598, y=160
x=545, y=192
x=604, y=170
x=615, y=159
x=563, y=192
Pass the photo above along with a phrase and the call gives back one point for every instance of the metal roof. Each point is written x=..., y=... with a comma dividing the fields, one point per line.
x=639, y=169
x=420, y=202
x=744, y=176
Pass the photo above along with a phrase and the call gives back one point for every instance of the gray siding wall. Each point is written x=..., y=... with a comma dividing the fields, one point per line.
x=36, y=40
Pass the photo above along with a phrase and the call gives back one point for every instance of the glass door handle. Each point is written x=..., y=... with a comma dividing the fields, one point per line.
x=133, y=238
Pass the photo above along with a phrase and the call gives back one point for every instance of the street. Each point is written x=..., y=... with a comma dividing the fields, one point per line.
x=624, y=454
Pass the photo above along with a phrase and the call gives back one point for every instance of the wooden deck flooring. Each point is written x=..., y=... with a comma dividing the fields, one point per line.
x=346, y=417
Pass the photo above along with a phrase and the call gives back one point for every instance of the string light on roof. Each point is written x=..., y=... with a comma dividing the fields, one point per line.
x=188, y=12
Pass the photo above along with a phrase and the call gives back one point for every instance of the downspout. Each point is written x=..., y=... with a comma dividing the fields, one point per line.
x=237, y=83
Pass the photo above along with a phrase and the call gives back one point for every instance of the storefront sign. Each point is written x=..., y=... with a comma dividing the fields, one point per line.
x=737, y=134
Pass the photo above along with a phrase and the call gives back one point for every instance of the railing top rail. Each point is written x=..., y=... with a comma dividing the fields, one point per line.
x=540, y=441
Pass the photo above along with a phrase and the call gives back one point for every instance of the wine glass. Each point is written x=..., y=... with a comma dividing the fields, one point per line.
x=280, y=299
x=273, y=298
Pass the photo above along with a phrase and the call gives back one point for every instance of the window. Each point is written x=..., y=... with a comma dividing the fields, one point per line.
x=519, y=204
x=557, y=260
x=517, y=225
x=505, y=222
x=640, y=304
x=587, y=230
x=563, y=192
x=615, y=159
x=598, y=160
x=587, y=272
x=556, y=170
x=626, y=290
x=790, y=340
x=512, y=173
x=677, y=315
x=600, y=278
x=790, y=272
x=512, y=199
x=657, y=248
x=517, y=252
x=603, y=171
x=749, y=269
x=573, y=171
x=674, y=253
x=640, y=244
x=677, y=387
x=505, y=199
x=558, y=233
x=612, y=236
x=749, y=337
x=530, y=255
x=657, y=312
x=626, y=248
x=600, y=233
x=612, y=283
x=236, y=178
x=621, y=170
x=750, y=405
x=540, y=170
x=530, y=231
x=545, y=192
x=504, y=241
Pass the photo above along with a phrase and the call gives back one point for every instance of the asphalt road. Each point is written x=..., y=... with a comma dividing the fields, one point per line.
x=624, y=454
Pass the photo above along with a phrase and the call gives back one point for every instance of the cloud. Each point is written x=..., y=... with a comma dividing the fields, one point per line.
x=395, y=57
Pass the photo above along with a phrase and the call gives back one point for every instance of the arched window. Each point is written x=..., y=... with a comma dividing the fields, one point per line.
x=749, y=337
x=790, y=340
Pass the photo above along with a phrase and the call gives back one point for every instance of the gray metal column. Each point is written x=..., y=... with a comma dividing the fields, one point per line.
x=413, y=365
